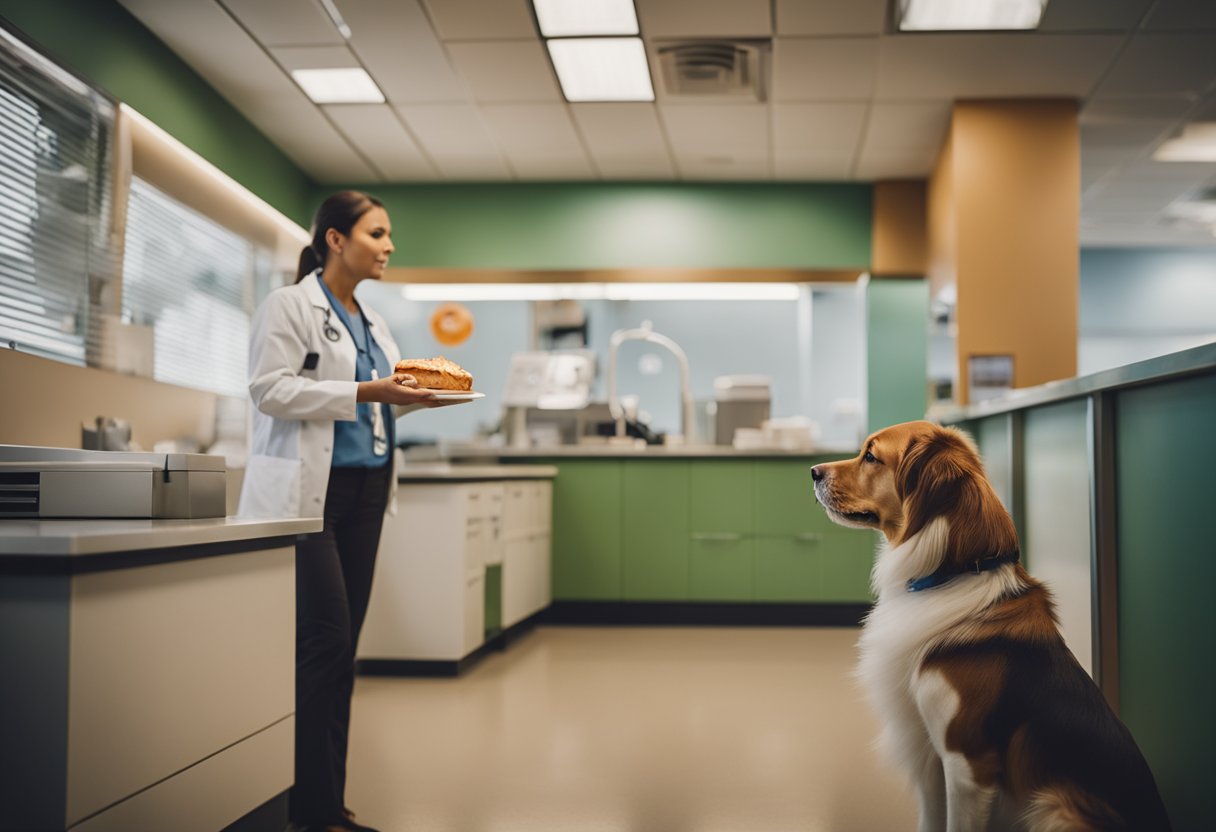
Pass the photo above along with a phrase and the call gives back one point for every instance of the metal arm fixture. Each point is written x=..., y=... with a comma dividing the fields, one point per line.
x=646, y=333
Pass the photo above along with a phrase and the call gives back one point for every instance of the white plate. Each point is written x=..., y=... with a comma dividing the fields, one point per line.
x=455, y=395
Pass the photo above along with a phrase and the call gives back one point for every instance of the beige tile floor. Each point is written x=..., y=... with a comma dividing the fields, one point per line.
x=621, y=729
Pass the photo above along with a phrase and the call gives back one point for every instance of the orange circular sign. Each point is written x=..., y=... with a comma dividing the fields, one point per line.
x=451, y=324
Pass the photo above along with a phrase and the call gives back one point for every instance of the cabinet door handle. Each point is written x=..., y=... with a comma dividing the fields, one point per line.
x=720, y=537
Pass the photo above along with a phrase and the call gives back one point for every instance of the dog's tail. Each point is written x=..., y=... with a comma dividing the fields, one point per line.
x=1060, y=809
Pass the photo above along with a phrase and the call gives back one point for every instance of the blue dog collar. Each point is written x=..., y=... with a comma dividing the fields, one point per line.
x=947, y=573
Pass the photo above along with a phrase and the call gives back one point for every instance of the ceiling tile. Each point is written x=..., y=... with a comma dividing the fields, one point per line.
x=1093, y=15
x=284, y=22
x=396, y=43
x=907, y=125
x=482, y=19
x=828, y=167
x=1132, y=135
x=1006, y=65
x=503, y=71
x=1163, y=65
x=625, y=140
x=1182, y=16
x=1147, y=170
x=1100, y=110
x=375, y=130
x=828, y=129
x=873, y=165
x=831, y=17
x=314, y=57
x=538, y=140
x=457, y=139
x=302, y=132
x=704, y=18
x=723, y=170
x=217, y=48
x=732, y=139
x=824, y=69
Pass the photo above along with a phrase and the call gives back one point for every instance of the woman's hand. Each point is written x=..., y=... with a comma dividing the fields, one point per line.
x=399, y=389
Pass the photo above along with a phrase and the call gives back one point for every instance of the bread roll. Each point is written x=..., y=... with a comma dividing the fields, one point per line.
x=436, y=373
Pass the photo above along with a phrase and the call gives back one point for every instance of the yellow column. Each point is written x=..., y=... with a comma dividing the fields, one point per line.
x=1003, y=209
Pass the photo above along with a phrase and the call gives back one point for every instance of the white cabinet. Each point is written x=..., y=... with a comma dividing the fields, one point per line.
x=527, y=520
x=428, y=596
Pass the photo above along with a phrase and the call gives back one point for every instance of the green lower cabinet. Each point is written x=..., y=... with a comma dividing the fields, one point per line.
x=789, y=567
x=587, y=530
x=720, y=566
x=493, y=607
x=654, y=560
x=848, y=556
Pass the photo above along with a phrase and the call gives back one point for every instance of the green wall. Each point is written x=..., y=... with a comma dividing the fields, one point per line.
x=609, y=225
x=103, y=43
x=897, y=350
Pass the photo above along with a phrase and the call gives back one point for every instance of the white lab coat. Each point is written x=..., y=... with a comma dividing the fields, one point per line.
x=292, y=441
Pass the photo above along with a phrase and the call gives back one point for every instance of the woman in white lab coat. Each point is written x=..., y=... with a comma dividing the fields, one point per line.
x=322, y=381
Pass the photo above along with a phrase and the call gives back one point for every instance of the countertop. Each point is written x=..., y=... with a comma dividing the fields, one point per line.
x=457, y=452
x=447, y=472
x=59, y=538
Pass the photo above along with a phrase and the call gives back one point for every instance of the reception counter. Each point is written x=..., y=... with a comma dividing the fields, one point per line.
x=148, y=672
x=1109, y=479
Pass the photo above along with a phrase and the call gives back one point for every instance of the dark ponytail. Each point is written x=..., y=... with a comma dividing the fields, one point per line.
x=340, y=212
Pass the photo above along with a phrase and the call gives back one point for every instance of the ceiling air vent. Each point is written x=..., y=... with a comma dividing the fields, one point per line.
x=731, y=70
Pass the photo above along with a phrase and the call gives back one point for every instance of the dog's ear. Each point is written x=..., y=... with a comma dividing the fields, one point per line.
x=928, y=478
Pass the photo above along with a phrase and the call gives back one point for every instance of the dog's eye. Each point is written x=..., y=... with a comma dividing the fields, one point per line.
x=869, y=457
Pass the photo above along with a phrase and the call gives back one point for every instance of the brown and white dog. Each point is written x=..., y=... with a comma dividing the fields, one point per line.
x=982, y=703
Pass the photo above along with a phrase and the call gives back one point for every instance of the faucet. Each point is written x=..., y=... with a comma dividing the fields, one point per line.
x=646, y=333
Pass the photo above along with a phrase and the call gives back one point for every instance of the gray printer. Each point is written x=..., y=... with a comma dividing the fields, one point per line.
x=65, y=482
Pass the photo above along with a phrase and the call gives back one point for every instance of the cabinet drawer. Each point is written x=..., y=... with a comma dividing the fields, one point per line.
x=784, y=499
x=720, y=566
x=484, y=499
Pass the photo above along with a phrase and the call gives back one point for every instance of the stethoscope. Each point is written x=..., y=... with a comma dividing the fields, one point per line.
x=330, y=331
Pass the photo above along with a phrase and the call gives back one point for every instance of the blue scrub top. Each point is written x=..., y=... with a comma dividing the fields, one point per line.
x=353, y=441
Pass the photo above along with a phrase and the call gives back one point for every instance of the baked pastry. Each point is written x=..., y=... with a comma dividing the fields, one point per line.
x=436, y=373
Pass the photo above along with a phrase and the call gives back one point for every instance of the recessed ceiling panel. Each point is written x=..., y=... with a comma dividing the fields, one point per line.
x=482, y=19
x=824, y=69
x=506, y=71
x=1182, y=16
x=1093, y=15
x=826, y=129
x=727, y=141
x=831, y=17
x=457, y=139
x=1099, y=110
x=873, y=165
x=282, y=22
x=314, y=57
x=301, y=131
x=375, y=130
x=1004, y=64
x=912, y=126
x=705, y=18
x=396, y=43
x=538, y=140
x=1163, y=64
x=625, y=140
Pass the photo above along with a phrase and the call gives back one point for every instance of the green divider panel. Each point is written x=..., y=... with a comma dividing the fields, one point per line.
x=897, y=350
x=1167, y=570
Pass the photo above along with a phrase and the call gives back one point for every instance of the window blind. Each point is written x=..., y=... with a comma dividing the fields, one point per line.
x=55, y=262
x=191, y=281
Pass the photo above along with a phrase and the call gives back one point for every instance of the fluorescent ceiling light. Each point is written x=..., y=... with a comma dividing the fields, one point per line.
x=572, y=18
x=969, y=15
x=599, y=291
x=1196, y=144
x=602, y=69
x=350, y=85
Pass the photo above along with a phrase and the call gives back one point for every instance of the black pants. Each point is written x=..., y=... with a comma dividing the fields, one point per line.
x=333, y=583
